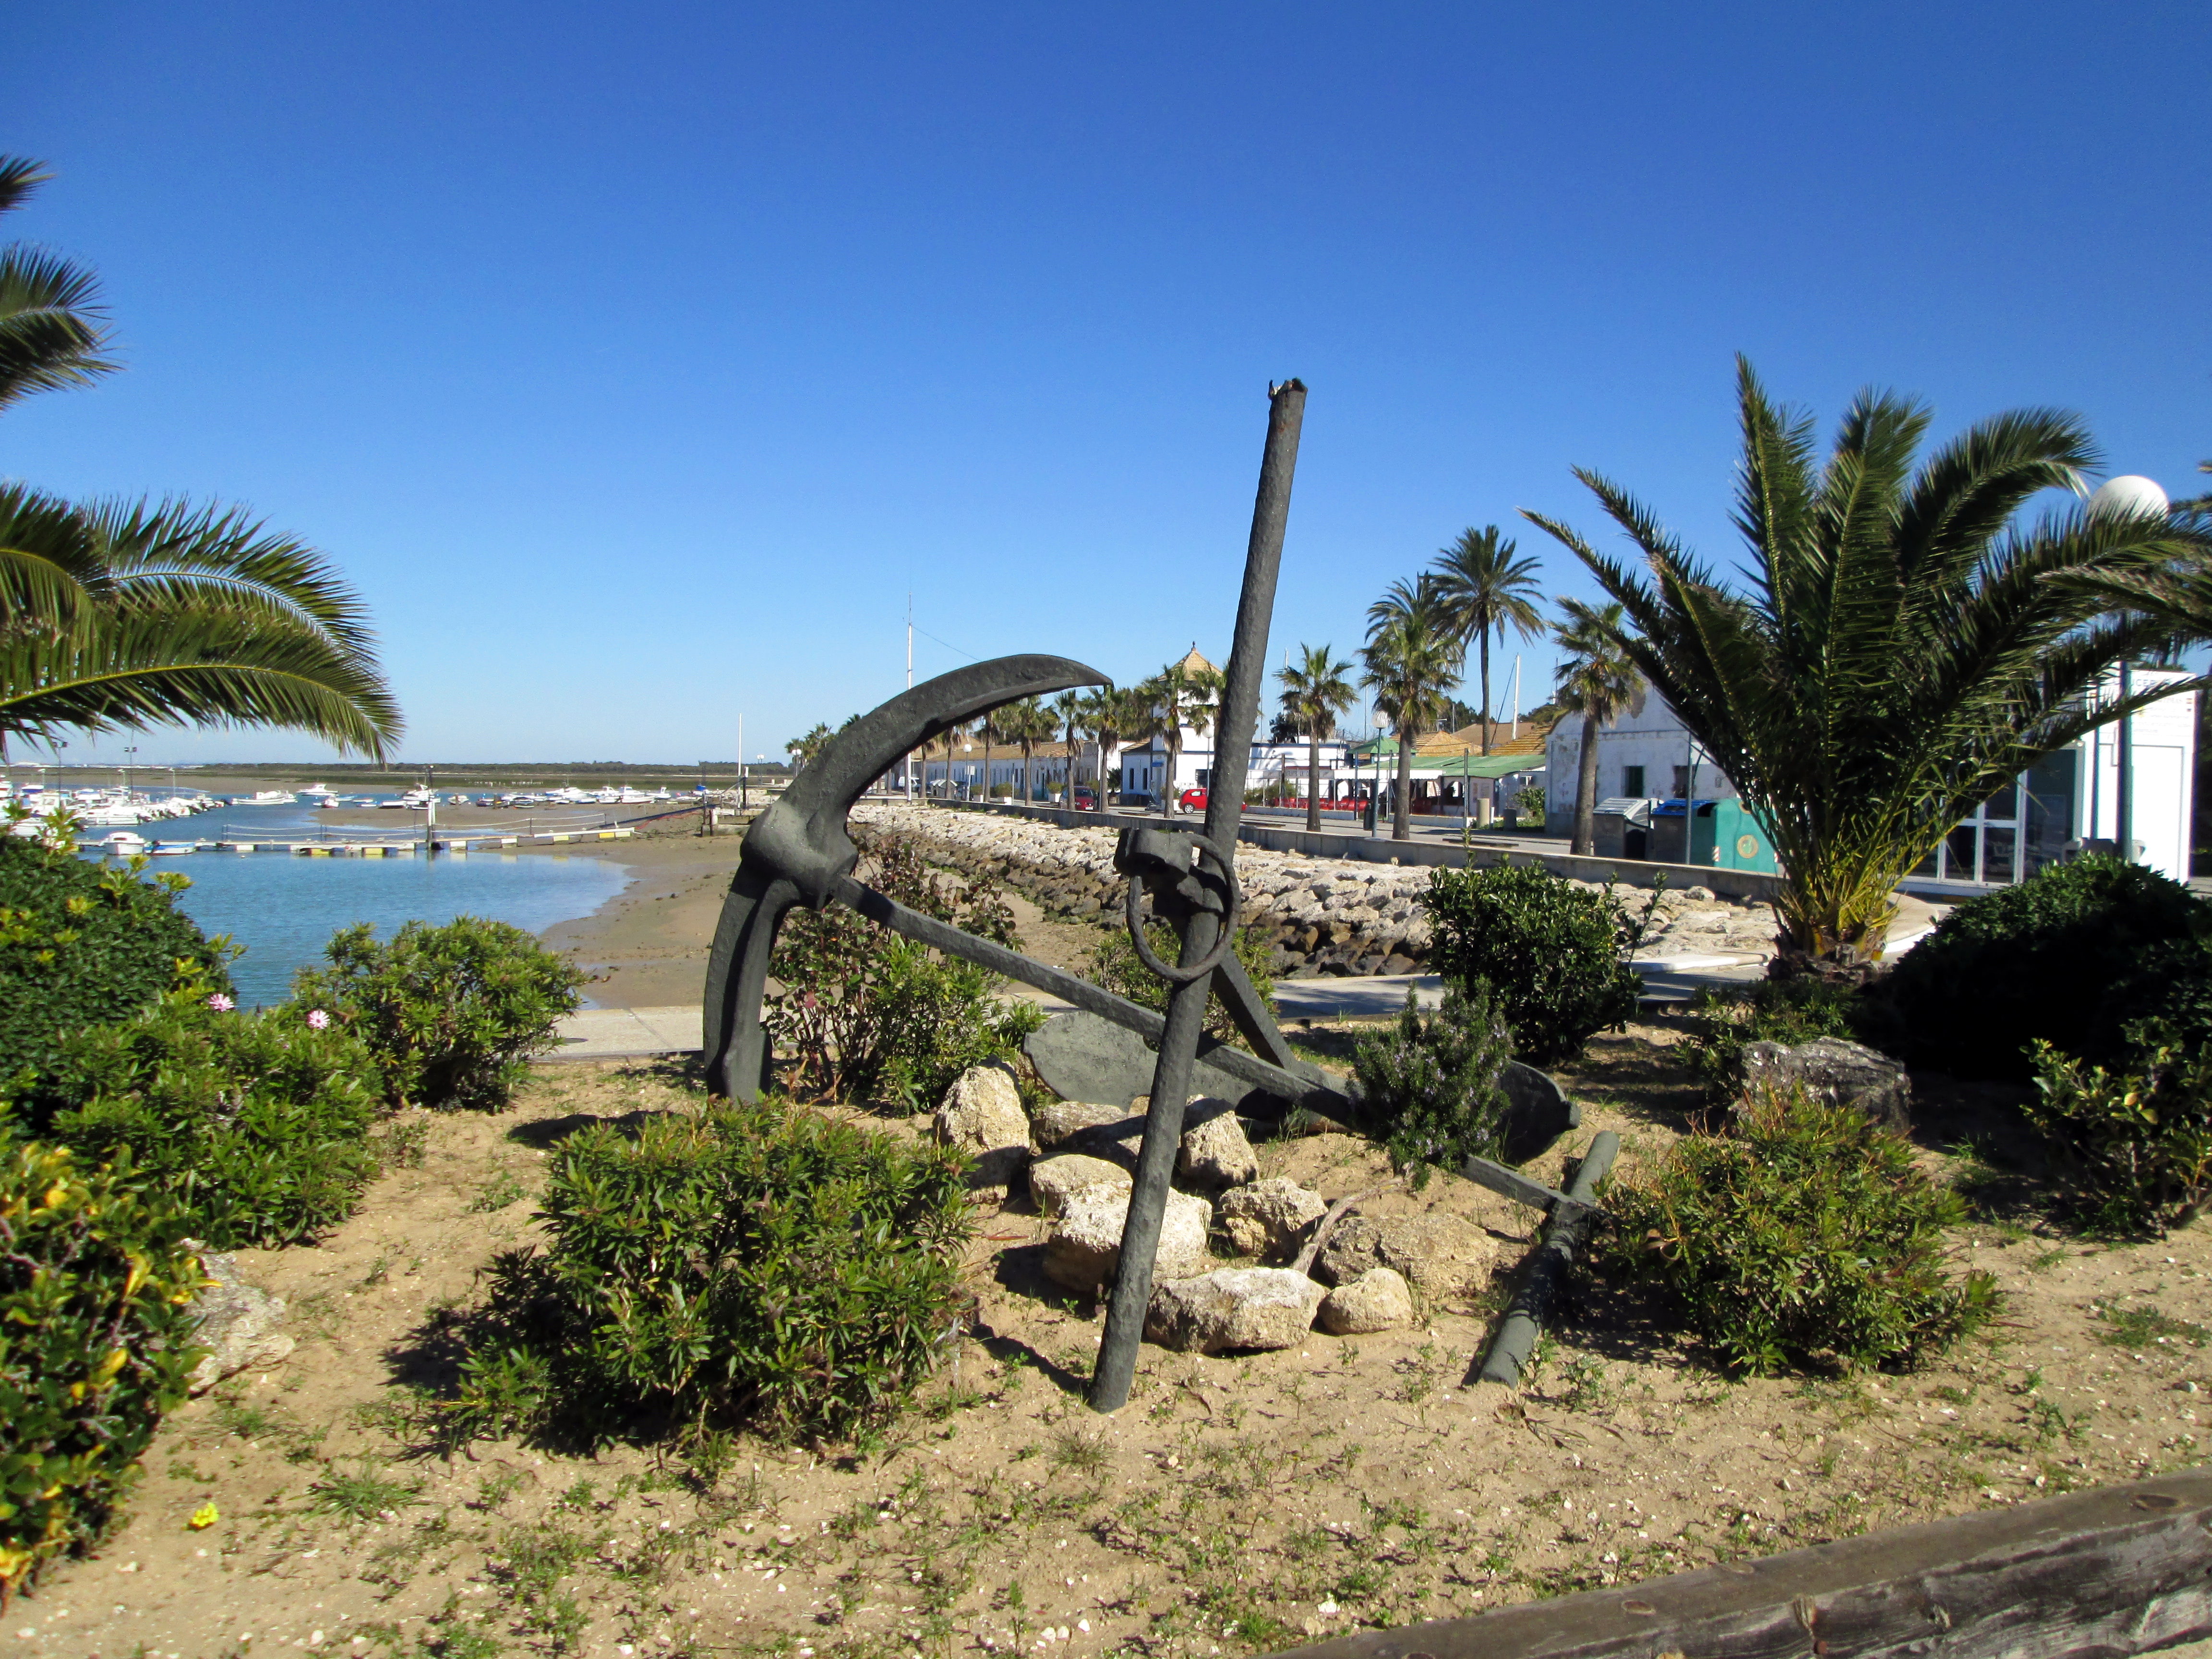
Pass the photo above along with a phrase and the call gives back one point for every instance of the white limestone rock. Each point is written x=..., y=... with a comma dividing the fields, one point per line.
x=1269, y=1218
x=1439, y=1255
x=1054, y=1181
x=1233, y=1308
x=981, y=1116
x=1378, y=1300
x=1085, y=1246
x=1215, y=1151
x=237, y=1325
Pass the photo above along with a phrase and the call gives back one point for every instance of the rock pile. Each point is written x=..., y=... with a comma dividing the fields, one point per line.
x=1319, y=915
x=1079, y=1157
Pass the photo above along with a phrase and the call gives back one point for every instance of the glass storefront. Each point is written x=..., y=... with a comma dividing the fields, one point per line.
x=2015, y=832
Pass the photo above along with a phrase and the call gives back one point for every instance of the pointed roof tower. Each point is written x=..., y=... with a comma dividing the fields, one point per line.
x=1195, y=664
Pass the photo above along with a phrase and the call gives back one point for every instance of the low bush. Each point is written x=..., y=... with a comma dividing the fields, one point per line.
x=1805, y=1236
x=1432, y=1088
x=761, y=1264
x=452, y=1014
x=255, y=1125
x=2074, y=955
x=1787, y=1012
x=1114, y=965
x=2131, y=1148
x=95, y=1344
x=1553, y=953
x=80, y=944
x=869, y=1018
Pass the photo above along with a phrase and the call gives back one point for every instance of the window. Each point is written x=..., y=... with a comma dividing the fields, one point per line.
x=1631, y=781
x=1681, y=782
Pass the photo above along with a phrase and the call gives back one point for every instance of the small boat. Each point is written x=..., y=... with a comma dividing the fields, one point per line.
x=270, y=798
x=318, y=794
x=171, y=849
x=122, y=844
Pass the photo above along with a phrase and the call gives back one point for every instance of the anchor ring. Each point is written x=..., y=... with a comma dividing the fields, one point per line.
x=1213, y=958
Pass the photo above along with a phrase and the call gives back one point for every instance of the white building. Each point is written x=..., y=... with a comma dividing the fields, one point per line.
x=2068, y=800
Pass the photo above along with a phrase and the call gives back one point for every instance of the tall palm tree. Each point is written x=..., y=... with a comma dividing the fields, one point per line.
x=1906, y=646
x=1071, y=714
x=53, y=331
x=1411, y=661
x=1597, y=681
x=1111, y=709
x=1175, y=699
x=1027, y=723
x=1487, y=590
x=121, y=617
x=1315, y=692
x=806, y=749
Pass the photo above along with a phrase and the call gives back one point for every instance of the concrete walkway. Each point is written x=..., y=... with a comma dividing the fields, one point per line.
x=629, y=1033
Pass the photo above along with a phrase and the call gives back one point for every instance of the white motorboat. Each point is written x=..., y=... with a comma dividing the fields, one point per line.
x=318, y=794
x=270, y=798
x=122, y=844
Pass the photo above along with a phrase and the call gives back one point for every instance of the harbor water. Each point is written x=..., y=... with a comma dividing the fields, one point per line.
x=283, y=909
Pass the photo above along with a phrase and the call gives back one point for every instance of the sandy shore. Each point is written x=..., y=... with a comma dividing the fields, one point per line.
x=650, y=941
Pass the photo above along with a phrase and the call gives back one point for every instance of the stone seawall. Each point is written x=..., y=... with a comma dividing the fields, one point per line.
x=1320, y=915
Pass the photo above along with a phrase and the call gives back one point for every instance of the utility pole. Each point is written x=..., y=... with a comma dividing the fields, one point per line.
x=909, y=686
x=741, y=763
x=429, y=811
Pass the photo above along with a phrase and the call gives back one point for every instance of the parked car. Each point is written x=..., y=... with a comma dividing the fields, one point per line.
x=1191, y=800
x=1086, y=799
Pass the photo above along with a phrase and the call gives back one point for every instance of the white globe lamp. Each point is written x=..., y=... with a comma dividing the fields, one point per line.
x=2130, y=495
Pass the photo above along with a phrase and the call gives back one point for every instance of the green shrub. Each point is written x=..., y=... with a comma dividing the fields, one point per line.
x=869, y=1018
x=452, y=1014
x=2132, y=1149
x=80, y=944
x=765, y=1264
x=1529, y=801
x=1786, y=1011
x=96, y=1345
x=1114, y=965
x=1432, y=1088
x=256, y=1124
x=1554, y=954
x=2072, y=955
x=1806, y=1236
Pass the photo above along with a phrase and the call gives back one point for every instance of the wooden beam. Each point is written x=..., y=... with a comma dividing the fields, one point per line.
x=2093, y=1575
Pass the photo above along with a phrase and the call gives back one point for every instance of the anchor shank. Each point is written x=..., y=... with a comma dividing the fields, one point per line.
x=1200, y=930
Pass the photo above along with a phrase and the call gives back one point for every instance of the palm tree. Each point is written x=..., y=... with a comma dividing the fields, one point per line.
x=1313, y=693
x=1905, y=648
x=806, y=750
x=1070, y=712
x=1597, y=681
x=1109, y=711
x=52, y=328
x=1176, y=699
x=1412, y=659
x=1028, y=723
x=121, y=617
x=1486, y=590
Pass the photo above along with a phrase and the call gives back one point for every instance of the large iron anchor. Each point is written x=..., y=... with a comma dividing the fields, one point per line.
x=800, y=851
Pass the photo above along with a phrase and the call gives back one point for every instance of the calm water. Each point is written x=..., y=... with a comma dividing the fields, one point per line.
x=285, y=909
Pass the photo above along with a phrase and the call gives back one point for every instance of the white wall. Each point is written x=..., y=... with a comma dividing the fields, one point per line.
x=1653, y=737
x=2162, y=764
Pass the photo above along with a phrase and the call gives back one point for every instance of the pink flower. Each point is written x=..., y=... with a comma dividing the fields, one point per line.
x=221, y=1004
x=317, y=1019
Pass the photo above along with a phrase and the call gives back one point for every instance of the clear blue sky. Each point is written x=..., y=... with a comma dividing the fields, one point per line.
x=636, y=360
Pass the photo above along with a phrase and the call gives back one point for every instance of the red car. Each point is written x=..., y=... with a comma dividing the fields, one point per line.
x=1191, y=800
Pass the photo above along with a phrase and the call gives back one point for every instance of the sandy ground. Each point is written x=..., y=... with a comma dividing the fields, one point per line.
x=1237, y=1505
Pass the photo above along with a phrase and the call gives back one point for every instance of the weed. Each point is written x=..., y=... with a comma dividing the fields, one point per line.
x=2145, y=1327
x=379, y=1271
x=2045, y=1259
x=364, y=1495
x=577, y=1497
x=496, y=1488
x=503, y=1189
x=402, y=1144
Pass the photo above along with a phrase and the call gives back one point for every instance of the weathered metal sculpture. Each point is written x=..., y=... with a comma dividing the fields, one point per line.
x=799, y=852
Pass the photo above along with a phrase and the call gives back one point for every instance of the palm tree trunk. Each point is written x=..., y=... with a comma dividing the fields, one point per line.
x=1487, y=721
x=1174, y=759
x=1313, y=780
x=1585, y=840
x=1400, y=830
x=1029, y=778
